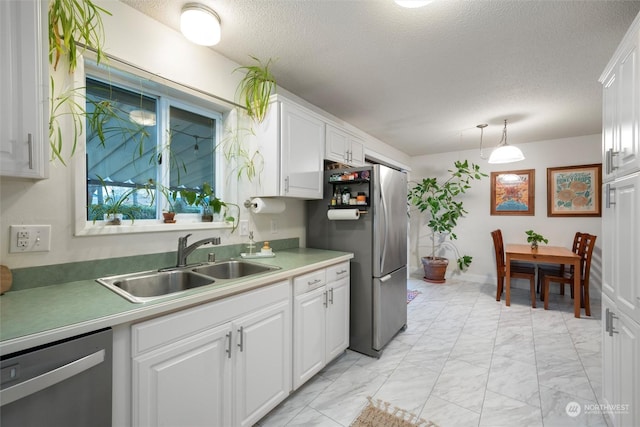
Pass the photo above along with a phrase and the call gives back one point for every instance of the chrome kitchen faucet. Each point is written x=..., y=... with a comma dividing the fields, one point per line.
x=184, y=251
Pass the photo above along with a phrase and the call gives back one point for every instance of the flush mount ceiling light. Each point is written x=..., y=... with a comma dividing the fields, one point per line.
x=200, y=25
x=503, y=153
x=143, y=117
x=411, y=4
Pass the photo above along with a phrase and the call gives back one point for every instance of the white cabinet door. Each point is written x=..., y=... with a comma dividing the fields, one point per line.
x=195, y=372
x=622, y=239
x=262, y=362
x=301, y=151
x=628, y=350
x=621, y=365
x=24, y=87
x=309, y=335
x=337, y=144
x=344, y=147
x=610, y=129
x=608, y=241
x=356, y=152
x=628, y=157
x=610, y=369
x=337, y=318
x=621, y=108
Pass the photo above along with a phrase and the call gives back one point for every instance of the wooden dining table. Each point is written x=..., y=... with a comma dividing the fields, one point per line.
x=547, y=255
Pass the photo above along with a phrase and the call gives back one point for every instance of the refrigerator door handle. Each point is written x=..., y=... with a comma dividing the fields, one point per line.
x=385, y=228
x=385, y=278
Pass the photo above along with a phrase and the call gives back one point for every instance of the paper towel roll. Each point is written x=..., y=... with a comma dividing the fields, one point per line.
x=267, y=206
x=343, y=214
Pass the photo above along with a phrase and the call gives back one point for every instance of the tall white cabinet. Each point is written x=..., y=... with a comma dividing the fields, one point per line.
x=621, y=231
x=24, y=71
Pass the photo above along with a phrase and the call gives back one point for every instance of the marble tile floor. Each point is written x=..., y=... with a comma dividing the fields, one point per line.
x=467, y=360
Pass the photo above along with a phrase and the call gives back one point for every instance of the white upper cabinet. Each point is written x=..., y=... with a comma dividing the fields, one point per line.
x=24, y=87
x=621, y=108
x=291, y=141
x=344, y=147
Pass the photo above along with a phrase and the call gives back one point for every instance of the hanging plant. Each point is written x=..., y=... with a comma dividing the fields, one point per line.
x=255, y=89
x=73, y=22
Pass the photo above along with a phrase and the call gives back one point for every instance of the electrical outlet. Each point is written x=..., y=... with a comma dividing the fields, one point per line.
x=244, y=227
x=30, y=238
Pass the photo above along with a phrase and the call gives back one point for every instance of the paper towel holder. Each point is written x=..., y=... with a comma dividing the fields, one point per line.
x=249, y=204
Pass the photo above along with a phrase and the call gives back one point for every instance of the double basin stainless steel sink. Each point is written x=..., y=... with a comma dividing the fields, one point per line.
x=150, y=285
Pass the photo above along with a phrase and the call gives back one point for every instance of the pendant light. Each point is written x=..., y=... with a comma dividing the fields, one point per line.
x=503, y=153
x=200, y=25
x=412, y=4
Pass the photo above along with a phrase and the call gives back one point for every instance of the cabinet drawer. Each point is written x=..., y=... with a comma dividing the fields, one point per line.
x=309, y=281
x=163, y=330
x=337, y=272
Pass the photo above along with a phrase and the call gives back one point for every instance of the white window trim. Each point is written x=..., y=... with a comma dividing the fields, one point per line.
x=184, y=221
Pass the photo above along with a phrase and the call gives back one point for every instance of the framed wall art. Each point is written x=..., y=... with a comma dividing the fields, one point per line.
x=574, y=190
x=513, y=192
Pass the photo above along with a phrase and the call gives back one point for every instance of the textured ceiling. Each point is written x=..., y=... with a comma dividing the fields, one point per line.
x=422, y=79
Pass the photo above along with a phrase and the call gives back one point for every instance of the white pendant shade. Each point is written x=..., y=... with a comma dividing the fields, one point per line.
x=143, y=117
x=413, y=3
x=506, y=154
x=200, y=25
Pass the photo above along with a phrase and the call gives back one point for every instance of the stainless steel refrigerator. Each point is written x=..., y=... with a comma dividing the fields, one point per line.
x=378, y=238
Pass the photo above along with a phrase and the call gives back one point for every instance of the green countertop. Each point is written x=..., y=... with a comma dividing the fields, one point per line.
x=37, y=316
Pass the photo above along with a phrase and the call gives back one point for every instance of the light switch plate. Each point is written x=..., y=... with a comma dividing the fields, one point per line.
x=30, y=238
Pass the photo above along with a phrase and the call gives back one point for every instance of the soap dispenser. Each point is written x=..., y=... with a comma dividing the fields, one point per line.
x=266, y=249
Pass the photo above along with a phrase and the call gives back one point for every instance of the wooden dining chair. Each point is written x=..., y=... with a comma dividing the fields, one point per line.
x=585, y=249
x=559, y=270
x=519, y=270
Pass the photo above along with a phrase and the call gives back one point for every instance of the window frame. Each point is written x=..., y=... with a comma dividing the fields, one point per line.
x=189, y=99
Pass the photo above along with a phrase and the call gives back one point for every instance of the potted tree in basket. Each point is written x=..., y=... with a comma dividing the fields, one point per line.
x=440, y=201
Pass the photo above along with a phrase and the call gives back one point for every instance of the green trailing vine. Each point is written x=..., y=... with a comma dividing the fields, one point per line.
x=256, y=88
x=72, y=22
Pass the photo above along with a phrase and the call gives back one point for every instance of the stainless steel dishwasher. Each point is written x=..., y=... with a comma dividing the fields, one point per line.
x=66, y=383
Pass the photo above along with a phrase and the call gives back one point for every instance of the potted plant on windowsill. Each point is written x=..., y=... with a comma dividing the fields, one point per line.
x=535, y=239
x=210, y=204
x=440, y=201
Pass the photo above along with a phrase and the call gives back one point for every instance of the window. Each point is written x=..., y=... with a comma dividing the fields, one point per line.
x=143, y=137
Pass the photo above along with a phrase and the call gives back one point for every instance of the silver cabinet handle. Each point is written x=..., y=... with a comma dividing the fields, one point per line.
x=30, y=145
x=331, y=296
x=50, y=378
x=241, y=343
x=608, y=190
x=611, y=328
x=228, y=350
x=609, y=160
x=314, y=282
x=338, y=273
x=286, y=185
x=326, y=303
x=606, y=320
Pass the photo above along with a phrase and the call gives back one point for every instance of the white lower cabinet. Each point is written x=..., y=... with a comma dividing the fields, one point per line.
x=321, y=320
x=185, y=383
x=262, y=362
x=225, y=363
x=620, y=365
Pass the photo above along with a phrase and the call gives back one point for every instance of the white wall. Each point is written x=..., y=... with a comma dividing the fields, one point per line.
x=142, y=42
x=474, y=230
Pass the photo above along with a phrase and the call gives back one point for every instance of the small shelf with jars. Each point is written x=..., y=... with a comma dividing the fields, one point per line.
x=350, y=190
